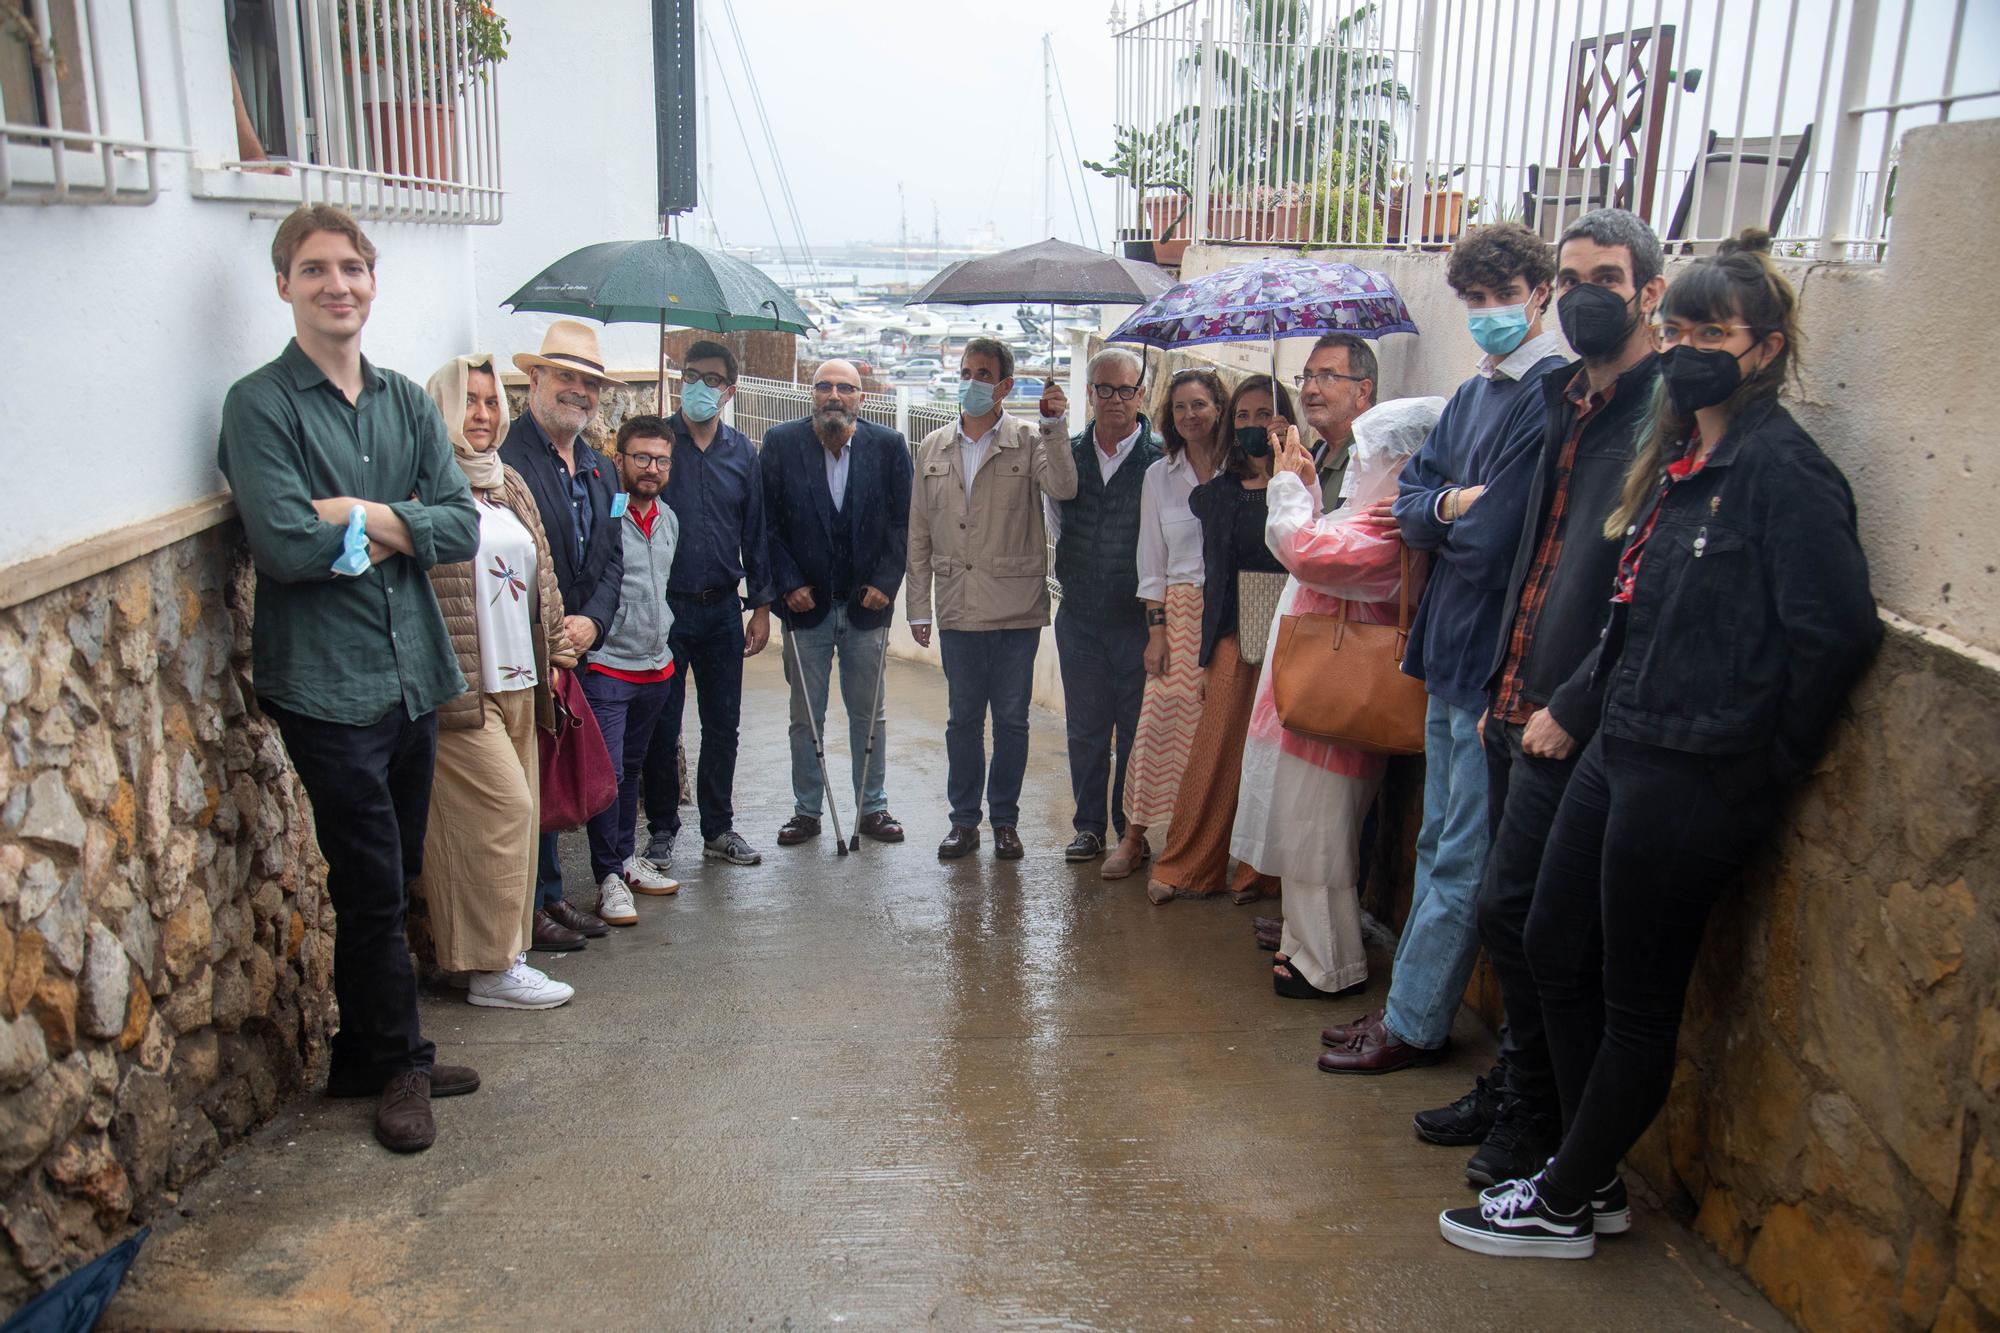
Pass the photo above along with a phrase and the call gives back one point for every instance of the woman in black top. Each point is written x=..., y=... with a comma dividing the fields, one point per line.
x=1741, y=616
x=1231, y=509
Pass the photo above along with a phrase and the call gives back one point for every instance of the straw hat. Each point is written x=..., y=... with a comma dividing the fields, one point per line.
x=568, y=345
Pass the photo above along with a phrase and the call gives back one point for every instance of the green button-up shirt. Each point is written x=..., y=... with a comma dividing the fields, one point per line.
x=328, y=646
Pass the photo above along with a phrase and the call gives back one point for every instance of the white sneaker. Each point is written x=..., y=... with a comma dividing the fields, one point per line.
x=519, y=987
x=642, y=875
x=614, y=903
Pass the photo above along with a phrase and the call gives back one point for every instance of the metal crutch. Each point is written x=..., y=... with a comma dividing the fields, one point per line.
x=881, y=672
x=819, y=752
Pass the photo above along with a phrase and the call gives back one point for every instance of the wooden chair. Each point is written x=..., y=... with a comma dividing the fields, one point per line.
x=1557, y=196
x=1757, y=162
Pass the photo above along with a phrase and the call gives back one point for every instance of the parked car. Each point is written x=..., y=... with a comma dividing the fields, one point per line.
x=1026, y=388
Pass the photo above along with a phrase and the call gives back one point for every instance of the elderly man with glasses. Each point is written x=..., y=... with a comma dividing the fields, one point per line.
x=1338, y=385
x=1101, y=625
x=837, y=511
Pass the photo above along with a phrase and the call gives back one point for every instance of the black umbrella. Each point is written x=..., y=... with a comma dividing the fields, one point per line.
x=1052, y=271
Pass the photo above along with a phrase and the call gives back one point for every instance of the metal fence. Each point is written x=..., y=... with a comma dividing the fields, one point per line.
x=1402, y=122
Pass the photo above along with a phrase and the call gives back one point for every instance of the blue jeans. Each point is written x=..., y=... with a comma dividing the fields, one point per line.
x=1441, y=939
x=707, y=640
x=1104, y=682
x=861, y=660
x=983, y=669
x=626, y=714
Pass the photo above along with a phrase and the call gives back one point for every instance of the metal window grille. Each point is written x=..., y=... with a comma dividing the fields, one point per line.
x=390, y=112
x=76, y=114
x=1399, y=123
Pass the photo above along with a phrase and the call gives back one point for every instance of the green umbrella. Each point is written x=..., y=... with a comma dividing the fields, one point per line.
x=665, y=282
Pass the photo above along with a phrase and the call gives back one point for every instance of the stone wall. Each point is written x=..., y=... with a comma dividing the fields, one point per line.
x=165, y=947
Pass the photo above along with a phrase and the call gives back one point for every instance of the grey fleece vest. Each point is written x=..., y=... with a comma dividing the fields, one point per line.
x=637, y=637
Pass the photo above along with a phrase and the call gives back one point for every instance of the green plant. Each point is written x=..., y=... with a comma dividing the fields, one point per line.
x=1346, y=215
x=414, y=56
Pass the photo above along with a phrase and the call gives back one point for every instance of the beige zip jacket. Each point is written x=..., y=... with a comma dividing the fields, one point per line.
x=989, y=558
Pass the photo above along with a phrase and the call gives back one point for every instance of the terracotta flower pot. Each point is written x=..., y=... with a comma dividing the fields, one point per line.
x=414, y=139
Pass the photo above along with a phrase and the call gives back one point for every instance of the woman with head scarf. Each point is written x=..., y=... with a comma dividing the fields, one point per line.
x=505, y=616
x=1301, y=800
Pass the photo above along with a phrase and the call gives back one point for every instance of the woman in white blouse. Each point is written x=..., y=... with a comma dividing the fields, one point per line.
x=1170, y=570
x=505, y=616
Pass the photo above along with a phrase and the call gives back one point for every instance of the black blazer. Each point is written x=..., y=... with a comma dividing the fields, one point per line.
x=590, y=588
x=799, y=517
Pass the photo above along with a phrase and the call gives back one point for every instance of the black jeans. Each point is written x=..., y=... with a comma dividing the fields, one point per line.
x=370, y=789
x=1647, y=839
x=1522, y=795
x=1104, y=682
x=707, y=639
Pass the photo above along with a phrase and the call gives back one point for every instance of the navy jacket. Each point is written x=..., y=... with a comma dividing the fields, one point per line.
x=799, y=518
x=1487, y=436
x=589, y=587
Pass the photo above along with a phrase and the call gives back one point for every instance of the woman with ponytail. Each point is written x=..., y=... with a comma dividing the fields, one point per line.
x=1741, y=616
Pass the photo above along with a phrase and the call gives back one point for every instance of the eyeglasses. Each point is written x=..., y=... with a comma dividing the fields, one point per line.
x=1124, y=393
x=650, y=462
x=844, y=390
x=1696, y=335
x=1324, y=378
x=713, y=381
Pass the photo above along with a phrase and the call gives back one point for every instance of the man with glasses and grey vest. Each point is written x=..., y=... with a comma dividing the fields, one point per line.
x=1101, y=624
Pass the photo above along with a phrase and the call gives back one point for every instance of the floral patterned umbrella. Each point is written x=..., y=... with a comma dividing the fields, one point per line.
x=1269, y=299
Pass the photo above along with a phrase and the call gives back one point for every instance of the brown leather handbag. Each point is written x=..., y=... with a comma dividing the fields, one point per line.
x=1340, y=680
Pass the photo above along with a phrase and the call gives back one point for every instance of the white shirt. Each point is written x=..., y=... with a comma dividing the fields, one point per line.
x=836, y=472
x=971, y=453
x=503, y=582
x=1523, y=358
x=1169, y=533
x=1107, y=467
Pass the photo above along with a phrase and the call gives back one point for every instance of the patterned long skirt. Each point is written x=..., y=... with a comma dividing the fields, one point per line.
x=1169, y=715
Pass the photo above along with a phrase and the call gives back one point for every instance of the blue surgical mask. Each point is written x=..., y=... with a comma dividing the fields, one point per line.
x=1498, y=329
x=975, y=397
x=699, y=402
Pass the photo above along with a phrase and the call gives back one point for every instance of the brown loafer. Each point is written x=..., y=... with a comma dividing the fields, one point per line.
x=552, y=936
x=587, y=924
x=963, y=838
x=1007, y=843
x=1125, y=858
x=881, y=826
x=1342, y=1033
x=403, y=1121
x=1375, y=1050
x=798, y=829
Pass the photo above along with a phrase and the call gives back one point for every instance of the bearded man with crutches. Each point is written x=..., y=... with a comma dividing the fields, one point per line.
x=837, y=511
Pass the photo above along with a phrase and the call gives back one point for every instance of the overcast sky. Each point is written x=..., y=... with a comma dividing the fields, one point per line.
x=943, y=97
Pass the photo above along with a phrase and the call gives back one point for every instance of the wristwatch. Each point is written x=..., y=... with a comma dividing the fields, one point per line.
x=1156, y=615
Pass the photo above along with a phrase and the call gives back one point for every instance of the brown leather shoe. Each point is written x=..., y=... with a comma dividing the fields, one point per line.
x=1374, y=1050
x=962, y=839
x=1126, y=857
x=403, y=1121
x=1007, y=843
x=552, y=936
x=881, y=826
x=587, y=924
x=1342, y=1033
x=446, y=1081
x=798, y=829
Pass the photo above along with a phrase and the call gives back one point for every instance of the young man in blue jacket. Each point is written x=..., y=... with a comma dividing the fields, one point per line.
x=837, y=513
x=1463, y=499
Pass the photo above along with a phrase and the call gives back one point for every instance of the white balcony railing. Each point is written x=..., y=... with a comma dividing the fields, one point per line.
x=1400, y=123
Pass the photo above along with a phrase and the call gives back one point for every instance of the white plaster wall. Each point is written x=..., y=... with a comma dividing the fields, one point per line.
x=577, y=149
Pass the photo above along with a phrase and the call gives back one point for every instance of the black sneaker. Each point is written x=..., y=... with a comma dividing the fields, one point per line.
x=1084, y=847
x=1466, y=1120
x=731, y=847
x=1610, y=1206
x=1518, y=1145
x=1518, y=1223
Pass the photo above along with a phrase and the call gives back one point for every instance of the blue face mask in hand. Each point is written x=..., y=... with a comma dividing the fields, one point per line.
x=353, y=559
x=975, y=397
x=1498, y=329
x=699, y=402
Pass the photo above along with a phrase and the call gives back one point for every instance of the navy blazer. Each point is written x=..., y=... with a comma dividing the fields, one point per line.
x=591, y=587
x=799, y=517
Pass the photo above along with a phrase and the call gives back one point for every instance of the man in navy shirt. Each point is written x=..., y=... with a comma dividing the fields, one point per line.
x=716, y=492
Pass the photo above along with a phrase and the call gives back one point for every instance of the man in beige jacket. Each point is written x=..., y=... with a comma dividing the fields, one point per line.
x=976, y=532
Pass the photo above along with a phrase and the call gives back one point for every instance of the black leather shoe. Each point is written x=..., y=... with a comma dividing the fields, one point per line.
x=958, y=842
x=552, y=936
x=798, y=829
x=587, y=924
x=1466, y=1120
x=1083, y=847
x=1007, y=843
x=1518, y=1145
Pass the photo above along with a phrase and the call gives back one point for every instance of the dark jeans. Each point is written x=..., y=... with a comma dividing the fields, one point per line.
x=548, y=872
x=1104, y=681
x=626, y=714
x=370, y=789
x=992, y=668
x=708, y=644
x=1644, y=844
x=1522, y=793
